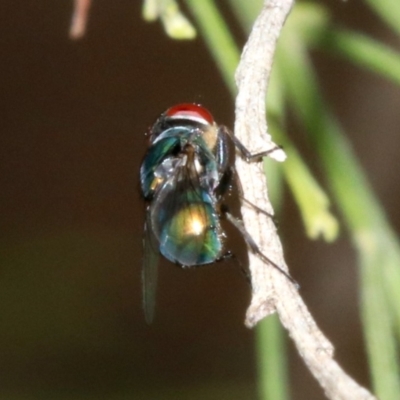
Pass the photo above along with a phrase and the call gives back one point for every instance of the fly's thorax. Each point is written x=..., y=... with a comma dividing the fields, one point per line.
x=175, y=148
x=210, y=136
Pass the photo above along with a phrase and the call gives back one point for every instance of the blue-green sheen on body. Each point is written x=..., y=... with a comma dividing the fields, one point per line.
x=187, y=228
x=154, y=157
x=163, y=147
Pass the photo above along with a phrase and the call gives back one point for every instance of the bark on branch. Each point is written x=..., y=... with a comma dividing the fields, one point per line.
x=271, y=290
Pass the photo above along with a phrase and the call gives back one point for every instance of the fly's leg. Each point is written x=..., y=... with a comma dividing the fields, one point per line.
x=249, y=157
x=244, y=152
x=238, y=224
x=233, y=173
x=241, y=196
x=259, y=210
x=230, y=256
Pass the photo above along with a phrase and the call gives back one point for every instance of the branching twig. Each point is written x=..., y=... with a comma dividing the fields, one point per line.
x=271, y=290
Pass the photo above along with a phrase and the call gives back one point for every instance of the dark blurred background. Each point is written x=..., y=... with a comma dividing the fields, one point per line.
x=73, y=117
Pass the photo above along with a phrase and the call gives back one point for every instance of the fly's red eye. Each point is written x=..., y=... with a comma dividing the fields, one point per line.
x=190, y=111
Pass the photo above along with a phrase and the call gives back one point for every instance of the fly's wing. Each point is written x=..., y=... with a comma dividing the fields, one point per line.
x=149, y=271
x=185, y=219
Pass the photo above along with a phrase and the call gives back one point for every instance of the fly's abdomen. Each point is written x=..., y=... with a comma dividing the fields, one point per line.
x=191, y=236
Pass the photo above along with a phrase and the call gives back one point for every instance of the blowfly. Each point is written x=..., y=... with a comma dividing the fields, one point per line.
x=184, y=176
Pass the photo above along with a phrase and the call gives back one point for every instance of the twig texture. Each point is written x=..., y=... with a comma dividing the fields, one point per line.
x=271, y=290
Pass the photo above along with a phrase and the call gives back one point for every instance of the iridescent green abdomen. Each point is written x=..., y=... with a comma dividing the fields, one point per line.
x=187, y=227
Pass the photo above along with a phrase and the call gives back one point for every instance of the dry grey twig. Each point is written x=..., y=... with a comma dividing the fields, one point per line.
x=271, y=291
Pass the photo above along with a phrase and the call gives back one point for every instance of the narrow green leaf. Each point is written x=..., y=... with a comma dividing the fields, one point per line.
x=365, y=52
x=312, y=201
x=150, y=10
x=312, y=22
x=388, y=10
x=271, y=355
x=310, y=198
x=246, y=11
x=176, y=25
x=218, y=38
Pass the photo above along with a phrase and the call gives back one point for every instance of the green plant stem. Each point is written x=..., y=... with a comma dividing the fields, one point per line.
x=364, y=52
x=218, y=38
x=388, y=10
x=317, y=218
x=176, y=25
x=312, y=22
x=246, y=11
x=271, y=354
